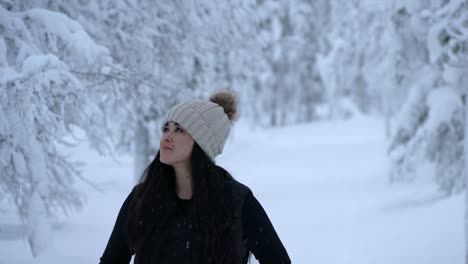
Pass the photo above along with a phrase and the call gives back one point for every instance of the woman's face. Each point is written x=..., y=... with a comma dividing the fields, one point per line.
x=176, y=145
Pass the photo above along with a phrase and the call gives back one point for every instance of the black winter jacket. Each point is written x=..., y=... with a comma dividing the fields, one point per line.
x=256, y=233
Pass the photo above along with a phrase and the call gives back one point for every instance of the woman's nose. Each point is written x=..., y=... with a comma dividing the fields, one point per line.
x=168, y=138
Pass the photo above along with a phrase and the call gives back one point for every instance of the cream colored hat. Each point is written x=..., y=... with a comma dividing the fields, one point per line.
x=208, y=122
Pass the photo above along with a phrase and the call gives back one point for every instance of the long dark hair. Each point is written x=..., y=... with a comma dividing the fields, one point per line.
x=153, y=203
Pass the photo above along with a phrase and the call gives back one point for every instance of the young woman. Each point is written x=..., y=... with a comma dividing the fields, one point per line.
x=186, y=209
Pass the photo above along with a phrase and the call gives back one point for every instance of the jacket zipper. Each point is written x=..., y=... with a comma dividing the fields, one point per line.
x=187, y=233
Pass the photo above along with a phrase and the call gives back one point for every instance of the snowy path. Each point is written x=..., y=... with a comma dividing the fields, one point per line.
x=324, y=187
x=326, y=190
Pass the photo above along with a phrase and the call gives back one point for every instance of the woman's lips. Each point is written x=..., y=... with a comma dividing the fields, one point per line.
x=167, y=148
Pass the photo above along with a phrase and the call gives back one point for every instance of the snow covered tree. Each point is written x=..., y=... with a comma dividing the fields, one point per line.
x=355, y=59
x=331, y=62
x=430, y=130
x=287, y=87
x=311, y=19
x=42, y=100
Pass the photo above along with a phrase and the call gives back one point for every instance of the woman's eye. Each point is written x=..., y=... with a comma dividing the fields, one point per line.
x=165, y=129
x=179, y=129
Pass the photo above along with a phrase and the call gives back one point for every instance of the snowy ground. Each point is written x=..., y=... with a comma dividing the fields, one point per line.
x=323, y=185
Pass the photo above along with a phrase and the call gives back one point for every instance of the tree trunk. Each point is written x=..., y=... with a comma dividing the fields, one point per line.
x=38, y=228
x=388, y=115
x=142, y=151
x=37, y=224
x=466, y=180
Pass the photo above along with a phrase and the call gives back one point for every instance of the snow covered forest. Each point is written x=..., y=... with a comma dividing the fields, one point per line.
x=104, y=73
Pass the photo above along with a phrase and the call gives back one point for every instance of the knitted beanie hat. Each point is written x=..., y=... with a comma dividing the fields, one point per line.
x=208, y=122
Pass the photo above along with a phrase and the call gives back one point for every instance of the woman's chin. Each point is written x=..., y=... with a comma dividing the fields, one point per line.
x=165, y=161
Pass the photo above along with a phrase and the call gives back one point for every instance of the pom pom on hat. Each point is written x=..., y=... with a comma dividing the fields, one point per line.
x=227, y=99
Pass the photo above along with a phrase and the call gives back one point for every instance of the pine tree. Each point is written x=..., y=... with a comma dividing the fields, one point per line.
x=431, y=124
x=42, y=100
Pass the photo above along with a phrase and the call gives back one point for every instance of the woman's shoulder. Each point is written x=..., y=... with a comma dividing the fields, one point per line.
x=236, y=186
x=137, y=187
